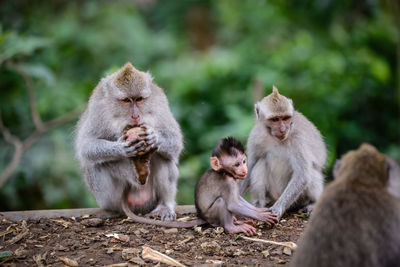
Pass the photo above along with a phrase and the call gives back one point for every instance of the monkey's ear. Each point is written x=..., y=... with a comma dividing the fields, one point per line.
x=215, y=164
x=257, y=110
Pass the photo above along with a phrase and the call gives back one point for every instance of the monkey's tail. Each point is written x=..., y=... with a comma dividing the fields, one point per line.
x=174, y=224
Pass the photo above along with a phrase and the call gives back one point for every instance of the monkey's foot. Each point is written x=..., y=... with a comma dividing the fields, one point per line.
x=165, y=213
x=307, y=209
x=243, y=228
x=249, y=222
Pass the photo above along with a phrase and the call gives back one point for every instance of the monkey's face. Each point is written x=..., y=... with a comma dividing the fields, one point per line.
x=279, y=126
x=132, y=106
x=234, y=165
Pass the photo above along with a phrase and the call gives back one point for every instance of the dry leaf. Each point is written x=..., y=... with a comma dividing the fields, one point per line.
x=197, y=229
x=68, y=262
x=287, y=251
x=219, y=230
x=214, y=262
x=170, y=231
x=154, y=255
x=93, y=222
x=38, y=260
x=129, y=253
x=124, y=264
x=123, y=238
x=63, y=223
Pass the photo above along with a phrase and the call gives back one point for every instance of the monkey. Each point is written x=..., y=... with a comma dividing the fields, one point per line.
x=356, y=221
x=393, y=184
x=394, y=177
x=286, y=154
x=217, y=197
x=124, y=99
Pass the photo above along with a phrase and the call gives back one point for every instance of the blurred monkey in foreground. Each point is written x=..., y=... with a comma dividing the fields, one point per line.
x=356, y=221
x=286, y=157
x=217, y=195
x=126, y=99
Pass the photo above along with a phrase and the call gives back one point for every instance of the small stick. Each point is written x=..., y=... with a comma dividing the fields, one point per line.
x=154, y=255
x=290, y=245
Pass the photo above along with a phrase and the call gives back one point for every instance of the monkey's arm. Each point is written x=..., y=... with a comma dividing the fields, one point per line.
x=98, y=150
x=297, y=184
x=250, y=206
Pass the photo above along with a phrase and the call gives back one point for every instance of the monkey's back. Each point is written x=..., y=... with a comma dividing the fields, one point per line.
x=352, y=225
x=207, y=190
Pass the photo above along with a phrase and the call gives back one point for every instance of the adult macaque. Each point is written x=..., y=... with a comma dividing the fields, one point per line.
x=217, y=195
x=127, y=99
x=286, y=157
x=356, y=221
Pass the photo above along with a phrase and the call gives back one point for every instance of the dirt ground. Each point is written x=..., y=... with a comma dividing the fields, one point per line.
x=90, y=241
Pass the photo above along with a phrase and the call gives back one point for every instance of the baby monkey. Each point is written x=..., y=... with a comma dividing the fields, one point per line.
x=217, y=197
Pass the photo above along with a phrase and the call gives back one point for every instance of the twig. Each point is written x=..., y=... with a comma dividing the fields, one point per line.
x=290, y=245
x=20, y=146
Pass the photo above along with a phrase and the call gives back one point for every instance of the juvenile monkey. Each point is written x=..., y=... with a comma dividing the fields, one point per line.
x=217, y=197
x=356, y=221
x=125, y=99
x=286, y=157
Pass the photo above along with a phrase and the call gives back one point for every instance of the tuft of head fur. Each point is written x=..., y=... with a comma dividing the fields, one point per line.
x=228, y=146
x=128, y=77
x=128, y=81
x=364, y=165
x=275, y=104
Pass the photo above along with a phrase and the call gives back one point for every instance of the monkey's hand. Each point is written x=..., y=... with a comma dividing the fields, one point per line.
x=150, y=137
x=269, y=218
x=131, y=148
x=277, y=211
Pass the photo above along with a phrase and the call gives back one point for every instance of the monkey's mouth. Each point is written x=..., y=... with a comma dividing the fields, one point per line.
x=281, y=137
x=242, y=176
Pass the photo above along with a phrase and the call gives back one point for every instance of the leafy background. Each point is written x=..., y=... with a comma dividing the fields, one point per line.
x=338, y=60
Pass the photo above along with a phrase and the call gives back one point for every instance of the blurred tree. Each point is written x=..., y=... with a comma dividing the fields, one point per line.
x=336, y=59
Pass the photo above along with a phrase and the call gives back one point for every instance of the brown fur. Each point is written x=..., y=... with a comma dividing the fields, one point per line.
x=129, y=77
x=356, y=222
x=278, y=104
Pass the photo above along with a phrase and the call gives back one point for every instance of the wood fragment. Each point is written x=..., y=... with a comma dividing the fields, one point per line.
x=290, y=245
x=18, y=237
x=124, y=264
x=6, y=232
x=154, y=255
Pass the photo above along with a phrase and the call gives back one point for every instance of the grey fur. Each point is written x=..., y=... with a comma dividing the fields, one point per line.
x=290, y=168
x=104, y=155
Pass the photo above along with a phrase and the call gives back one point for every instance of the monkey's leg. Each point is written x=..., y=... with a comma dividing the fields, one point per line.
x=313, y=192
x=218, y=215
x=165, y=175
x=258, y=184
x=106, y=190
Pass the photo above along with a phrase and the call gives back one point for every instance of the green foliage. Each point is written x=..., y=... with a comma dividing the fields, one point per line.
x=337, y=62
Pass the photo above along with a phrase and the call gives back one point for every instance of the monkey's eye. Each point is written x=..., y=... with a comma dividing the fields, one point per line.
x=244, y=161
x=139, y=99
x=126, y=100
x=286, y=118
x=237, y=164
x=275, y=119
